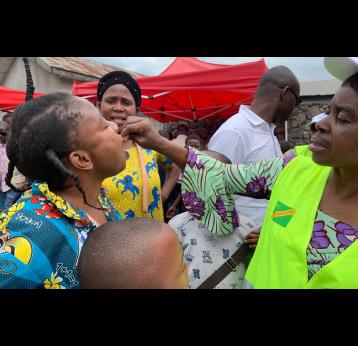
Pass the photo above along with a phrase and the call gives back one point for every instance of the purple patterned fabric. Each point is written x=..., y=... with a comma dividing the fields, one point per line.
x=257, y=188
x=235, y=218
x=330, y=237
x=191, y=160
x=193, y=204
x=346, y=234
x=319, y=239
x=220, y=208
x=286, y=160
x=318, y=262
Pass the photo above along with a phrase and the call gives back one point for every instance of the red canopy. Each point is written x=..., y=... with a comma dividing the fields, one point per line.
x=190, y=89
x=11, y=98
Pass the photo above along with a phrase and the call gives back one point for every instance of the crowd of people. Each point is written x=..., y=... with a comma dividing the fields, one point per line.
x=92, y=196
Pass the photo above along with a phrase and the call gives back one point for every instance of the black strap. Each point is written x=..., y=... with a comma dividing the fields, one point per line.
x=229, y=266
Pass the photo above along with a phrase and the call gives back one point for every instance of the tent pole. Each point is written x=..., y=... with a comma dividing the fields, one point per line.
x=156, y=95
x=225, y=107
x=192, y=107
x=164, y=112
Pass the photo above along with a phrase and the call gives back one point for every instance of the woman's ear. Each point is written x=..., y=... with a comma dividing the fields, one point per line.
x=81, y=160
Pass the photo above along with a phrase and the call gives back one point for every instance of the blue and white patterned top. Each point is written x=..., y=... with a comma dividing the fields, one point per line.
x=205, y=252
x=41, y=237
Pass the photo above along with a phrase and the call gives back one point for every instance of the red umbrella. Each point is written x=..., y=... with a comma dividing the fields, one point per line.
x=190, y=89
x=11, y=98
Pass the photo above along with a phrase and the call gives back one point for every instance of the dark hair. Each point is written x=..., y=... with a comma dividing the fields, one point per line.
x=119, y=77
x=182, y=128
x=43, y=132
x=192, y=136
x=119, y=254
x=6, y=115
x=352, y=82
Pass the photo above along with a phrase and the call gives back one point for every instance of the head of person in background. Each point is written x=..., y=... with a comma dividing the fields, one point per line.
x=7, y=118
x=194, y=128
x=182, y=128
x=279, y=91
x=193, y=141
x=4, y=129
x=133, y=253
x=173, y=132
x=204, y=133
x=164, y=133
x=119, y=96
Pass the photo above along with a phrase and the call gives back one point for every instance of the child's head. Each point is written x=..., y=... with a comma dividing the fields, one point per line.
x=182, y=128
x=193, y=141
x=133, y=253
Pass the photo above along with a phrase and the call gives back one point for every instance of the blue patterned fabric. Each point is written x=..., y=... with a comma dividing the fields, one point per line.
x=41, y=237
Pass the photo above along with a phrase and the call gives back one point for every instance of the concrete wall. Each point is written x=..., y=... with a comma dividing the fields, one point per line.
x=298, y=132
x=43, y=81
x=297, y=126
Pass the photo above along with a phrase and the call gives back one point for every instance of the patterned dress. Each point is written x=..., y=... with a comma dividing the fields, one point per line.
x=206, y=252
x=125, y=190
x=208, y=187
x=41, y=237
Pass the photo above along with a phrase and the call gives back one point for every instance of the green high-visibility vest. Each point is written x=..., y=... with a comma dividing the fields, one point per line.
x=303, y=150
x=280, y=259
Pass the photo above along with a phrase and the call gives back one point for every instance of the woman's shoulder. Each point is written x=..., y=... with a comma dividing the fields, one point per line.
x=35, y=239
x=31, y=214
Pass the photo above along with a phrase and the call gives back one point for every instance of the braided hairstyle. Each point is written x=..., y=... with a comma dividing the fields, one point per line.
x=43, y=134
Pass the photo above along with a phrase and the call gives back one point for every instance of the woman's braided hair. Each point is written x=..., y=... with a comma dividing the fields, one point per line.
x=43, y=133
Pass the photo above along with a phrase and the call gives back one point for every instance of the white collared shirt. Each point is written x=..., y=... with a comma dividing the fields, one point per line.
x=245, y=138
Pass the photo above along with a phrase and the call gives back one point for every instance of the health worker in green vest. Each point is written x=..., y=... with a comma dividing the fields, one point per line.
x=308, y=239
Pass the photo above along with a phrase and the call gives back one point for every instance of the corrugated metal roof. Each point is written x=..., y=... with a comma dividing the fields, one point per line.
x=82, y=66
x=320, y=87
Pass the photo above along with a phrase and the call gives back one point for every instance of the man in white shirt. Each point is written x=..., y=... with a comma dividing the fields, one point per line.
x=248, y=136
